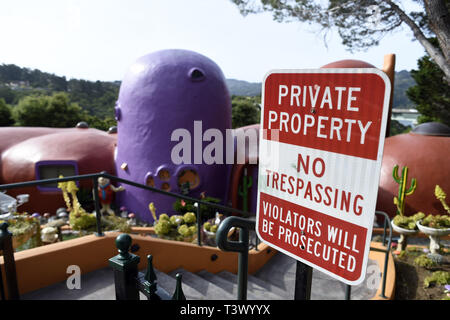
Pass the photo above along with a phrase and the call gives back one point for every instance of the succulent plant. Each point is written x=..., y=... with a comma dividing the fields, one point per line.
x=402, y=190
x=189, y=217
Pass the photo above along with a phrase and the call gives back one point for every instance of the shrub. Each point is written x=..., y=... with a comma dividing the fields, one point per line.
x=438, y=277
x=184, y=206
x=408, y=222
x=207, y=226
x=189, y=217
x=85, y=221
x=176, y=220
x=437, y=221
x=164, y=216
x=162, y=227
x=115, y=223
x=424, y=261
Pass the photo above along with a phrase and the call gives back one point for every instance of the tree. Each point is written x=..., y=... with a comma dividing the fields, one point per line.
x=48, y=111
x=244, y=111
x=7, y=94
x=431, y=94
x=362, y=24
x=101, y=124
x=5, y=115
x=97, y=98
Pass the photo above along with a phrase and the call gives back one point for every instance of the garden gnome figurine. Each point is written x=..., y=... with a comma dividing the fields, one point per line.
x=106, y=194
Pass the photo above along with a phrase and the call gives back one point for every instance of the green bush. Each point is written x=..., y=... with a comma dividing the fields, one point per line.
x=424, y=261
x=115, y=223
x=176, y=220
x=437, y=221
x=408, y=222
x=164, y=216
x=189, y=217
x=162, y=227
x=85, y=221
x=207, y=226
x=176, y=227
x=207, y=212
x=438, y=277
x=187, y=231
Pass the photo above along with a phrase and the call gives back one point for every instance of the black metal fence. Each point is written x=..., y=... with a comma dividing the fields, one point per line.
x=94, y=177
x=128, y=280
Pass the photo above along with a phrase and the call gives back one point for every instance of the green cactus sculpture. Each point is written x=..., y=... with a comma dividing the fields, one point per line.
x=247, y=182
x=402, y=190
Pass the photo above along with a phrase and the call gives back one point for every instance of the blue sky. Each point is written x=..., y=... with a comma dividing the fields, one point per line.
x=99, y=39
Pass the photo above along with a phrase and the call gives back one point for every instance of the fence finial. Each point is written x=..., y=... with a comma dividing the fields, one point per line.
x=125, y=266
x=178, y=294
x=150, y=277
x=123, y=243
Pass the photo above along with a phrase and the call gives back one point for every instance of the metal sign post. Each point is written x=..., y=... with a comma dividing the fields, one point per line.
x=303, y=280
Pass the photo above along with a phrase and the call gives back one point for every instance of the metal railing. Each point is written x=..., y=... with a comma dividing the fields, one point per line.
x=95, y=176
x=241, y=246
x=128, y=281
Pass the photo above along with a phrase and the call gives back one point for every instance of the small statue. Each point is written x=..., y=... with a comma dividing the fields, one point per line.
x=105, y=193
x=49, y=235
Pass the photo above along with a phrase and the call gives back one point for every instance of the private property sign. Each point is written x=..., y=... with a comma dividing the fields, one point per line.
x=321, y=146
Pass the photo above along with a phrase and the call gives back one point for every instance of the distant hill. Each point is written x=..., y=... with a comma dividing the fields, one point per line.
x=403, y=81
x=98, y=97
x=244, y=88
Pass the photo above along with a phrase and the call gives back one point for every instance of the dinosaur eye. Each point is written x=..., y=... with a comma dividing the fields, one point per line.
x=196, y=74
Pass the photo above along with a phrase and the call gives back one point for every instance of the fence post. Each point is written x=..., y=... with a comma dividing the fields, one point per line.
x=2, y=290
x=348, y=292
x=9, y=262
x=199, y=224
x=125, y=266
x=98, y=214
x=387, y=223
x=243, y=265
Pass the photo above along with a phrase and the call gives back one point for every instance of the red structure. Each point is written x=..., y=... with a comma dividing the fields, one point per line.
x=426, y=153
x=29, y=153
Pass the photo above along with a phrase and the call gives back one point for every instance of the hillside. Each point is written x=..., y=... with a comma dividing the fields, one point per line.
x=98, y=97
x=244, y=88
x=403, y=81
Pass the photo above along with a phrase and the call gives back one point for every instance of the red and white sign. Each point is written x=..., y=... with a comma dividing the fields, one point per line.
x=321, y=146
